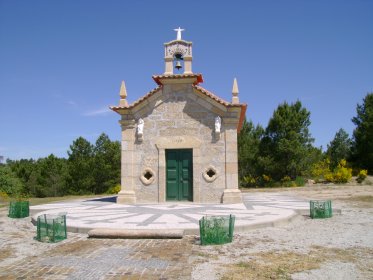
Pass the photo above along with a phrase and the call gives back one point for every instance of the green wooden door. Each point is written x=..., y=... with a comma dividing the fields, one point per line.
x=179, y=174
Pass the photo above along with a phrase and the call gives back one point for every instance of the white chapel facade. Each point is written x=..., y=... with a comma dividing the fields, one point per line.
x=179, y=141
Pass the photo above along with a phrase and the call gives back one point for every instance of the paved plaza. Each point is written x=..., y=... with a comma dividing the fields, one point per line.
x=257, y=210
x=80, y=257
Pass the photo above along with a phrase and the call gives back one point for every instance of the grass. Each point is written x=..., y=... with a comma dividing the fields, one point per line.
x=361, y=198
x=272, y=265
x=361, y=201
x=281, y=265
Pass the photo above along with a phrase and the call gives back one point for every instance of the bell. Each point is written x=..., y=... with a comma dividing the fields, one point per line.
x=178, y=65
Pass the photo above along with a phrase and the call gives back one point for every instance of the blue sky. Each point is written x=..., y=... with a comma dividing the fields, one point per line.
x=62, y=62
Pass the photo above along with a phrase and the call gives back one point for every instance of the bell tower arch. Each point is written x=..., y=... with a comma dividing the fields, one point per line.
x=178, y=55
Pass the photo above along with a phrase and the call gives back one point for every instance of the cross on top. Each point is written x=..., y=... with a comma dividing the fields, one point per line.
x=179, y=30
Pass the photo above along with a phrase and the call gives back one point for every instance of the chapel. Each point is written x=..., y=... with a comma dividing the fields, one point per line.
x=179, y=141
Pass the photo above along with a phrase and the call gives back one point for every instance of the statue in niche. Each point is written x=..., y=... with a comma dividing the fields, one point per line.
x=217, y=124
x=140, y=127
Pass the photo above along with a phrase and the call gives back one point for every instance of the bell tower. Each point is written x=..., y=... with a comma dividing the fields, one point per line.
x=178, y=55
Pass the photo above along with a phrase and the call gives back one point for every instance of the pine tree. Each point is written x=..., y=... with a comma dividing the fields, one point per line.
x=363, y=134
x=339, y=148
x=106, y=170
x=80, y=165
x=287, y=142
x=249, y=140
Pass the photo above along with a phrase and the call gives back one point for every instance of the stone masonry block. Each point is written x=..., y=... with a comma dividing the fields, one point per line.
x=231, y=168
x=231, y=157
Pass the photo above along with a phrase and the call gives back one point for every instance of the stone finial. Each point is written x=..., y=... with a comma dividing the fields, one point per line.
x=123, y=95
x=235, y=91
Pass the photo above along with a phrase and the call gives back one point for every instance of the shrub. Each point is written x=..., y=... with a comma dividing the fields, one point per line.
x=20, y=197
x=341, y=174
x=299, y=181
x=267, y=178
x=286, y=179
x=321, y=170
x=267, y=181
x=9, y=182
x=3, y=196
x=362, y=175
x=249, y=181
x=287, y=182
x=114, y=190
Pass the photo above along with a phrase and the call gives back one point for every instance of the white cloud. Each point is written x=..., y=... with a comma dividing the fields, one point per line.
x=72, y=103
x=99, y=112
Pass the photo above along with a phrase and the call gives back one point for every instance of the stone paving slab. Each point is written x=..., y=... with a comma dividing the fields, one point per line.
x=257, y=210
x=82, y=258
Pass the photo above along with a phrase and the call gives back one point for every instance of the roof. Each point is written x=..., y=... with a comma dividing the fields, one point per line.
x=158, y=78
x=138, y=101
x=216, y=98
x=199, y=89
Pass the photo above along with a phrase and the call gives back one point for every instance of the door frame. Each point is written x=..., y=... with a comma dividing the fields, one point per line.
x=178, y=142
x=181, y=155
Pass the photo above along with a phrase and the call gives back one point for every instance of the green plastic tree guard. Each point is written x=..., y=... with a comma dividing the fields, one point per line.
x=216, y=230
x=321, y=209
x=19, y=209
x=51, y=228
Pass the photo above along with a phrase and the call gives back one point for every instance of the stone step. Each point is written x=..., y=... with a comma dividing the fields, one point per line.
x=136, y=233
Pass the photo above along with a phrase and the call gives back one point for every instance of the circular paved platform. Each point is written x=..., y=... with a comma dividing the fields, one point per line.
x=257, y=210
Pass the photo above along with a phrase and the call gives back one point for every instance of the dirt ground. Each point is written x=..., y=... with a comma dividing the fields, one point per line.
x=340, y=247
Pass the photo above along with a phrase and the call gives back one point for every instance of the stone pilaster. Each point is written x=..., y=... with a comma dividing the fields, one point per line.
x=169, y=68
x=231, y=193
x=188, y=65
x=127, y=194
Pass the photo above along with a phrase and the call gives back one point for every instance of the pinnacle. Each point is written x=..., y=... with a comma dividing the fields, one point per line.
x=235, y=88
x=123, y=91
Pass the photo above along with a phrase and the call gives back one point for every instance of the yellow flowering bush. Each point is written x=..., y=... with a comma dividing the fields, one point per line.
x=114, y=190
x=267, y=178
x=342, y=174
x=321, y=171
x=286, y=179
x=362, y=175
x=3, y=196
x=287, y=182
x=249, y=181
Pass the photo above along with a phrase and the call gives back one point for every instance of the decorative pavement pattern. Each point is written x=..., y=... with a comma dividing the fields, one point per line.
x=274, y=200
x=258, y=210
